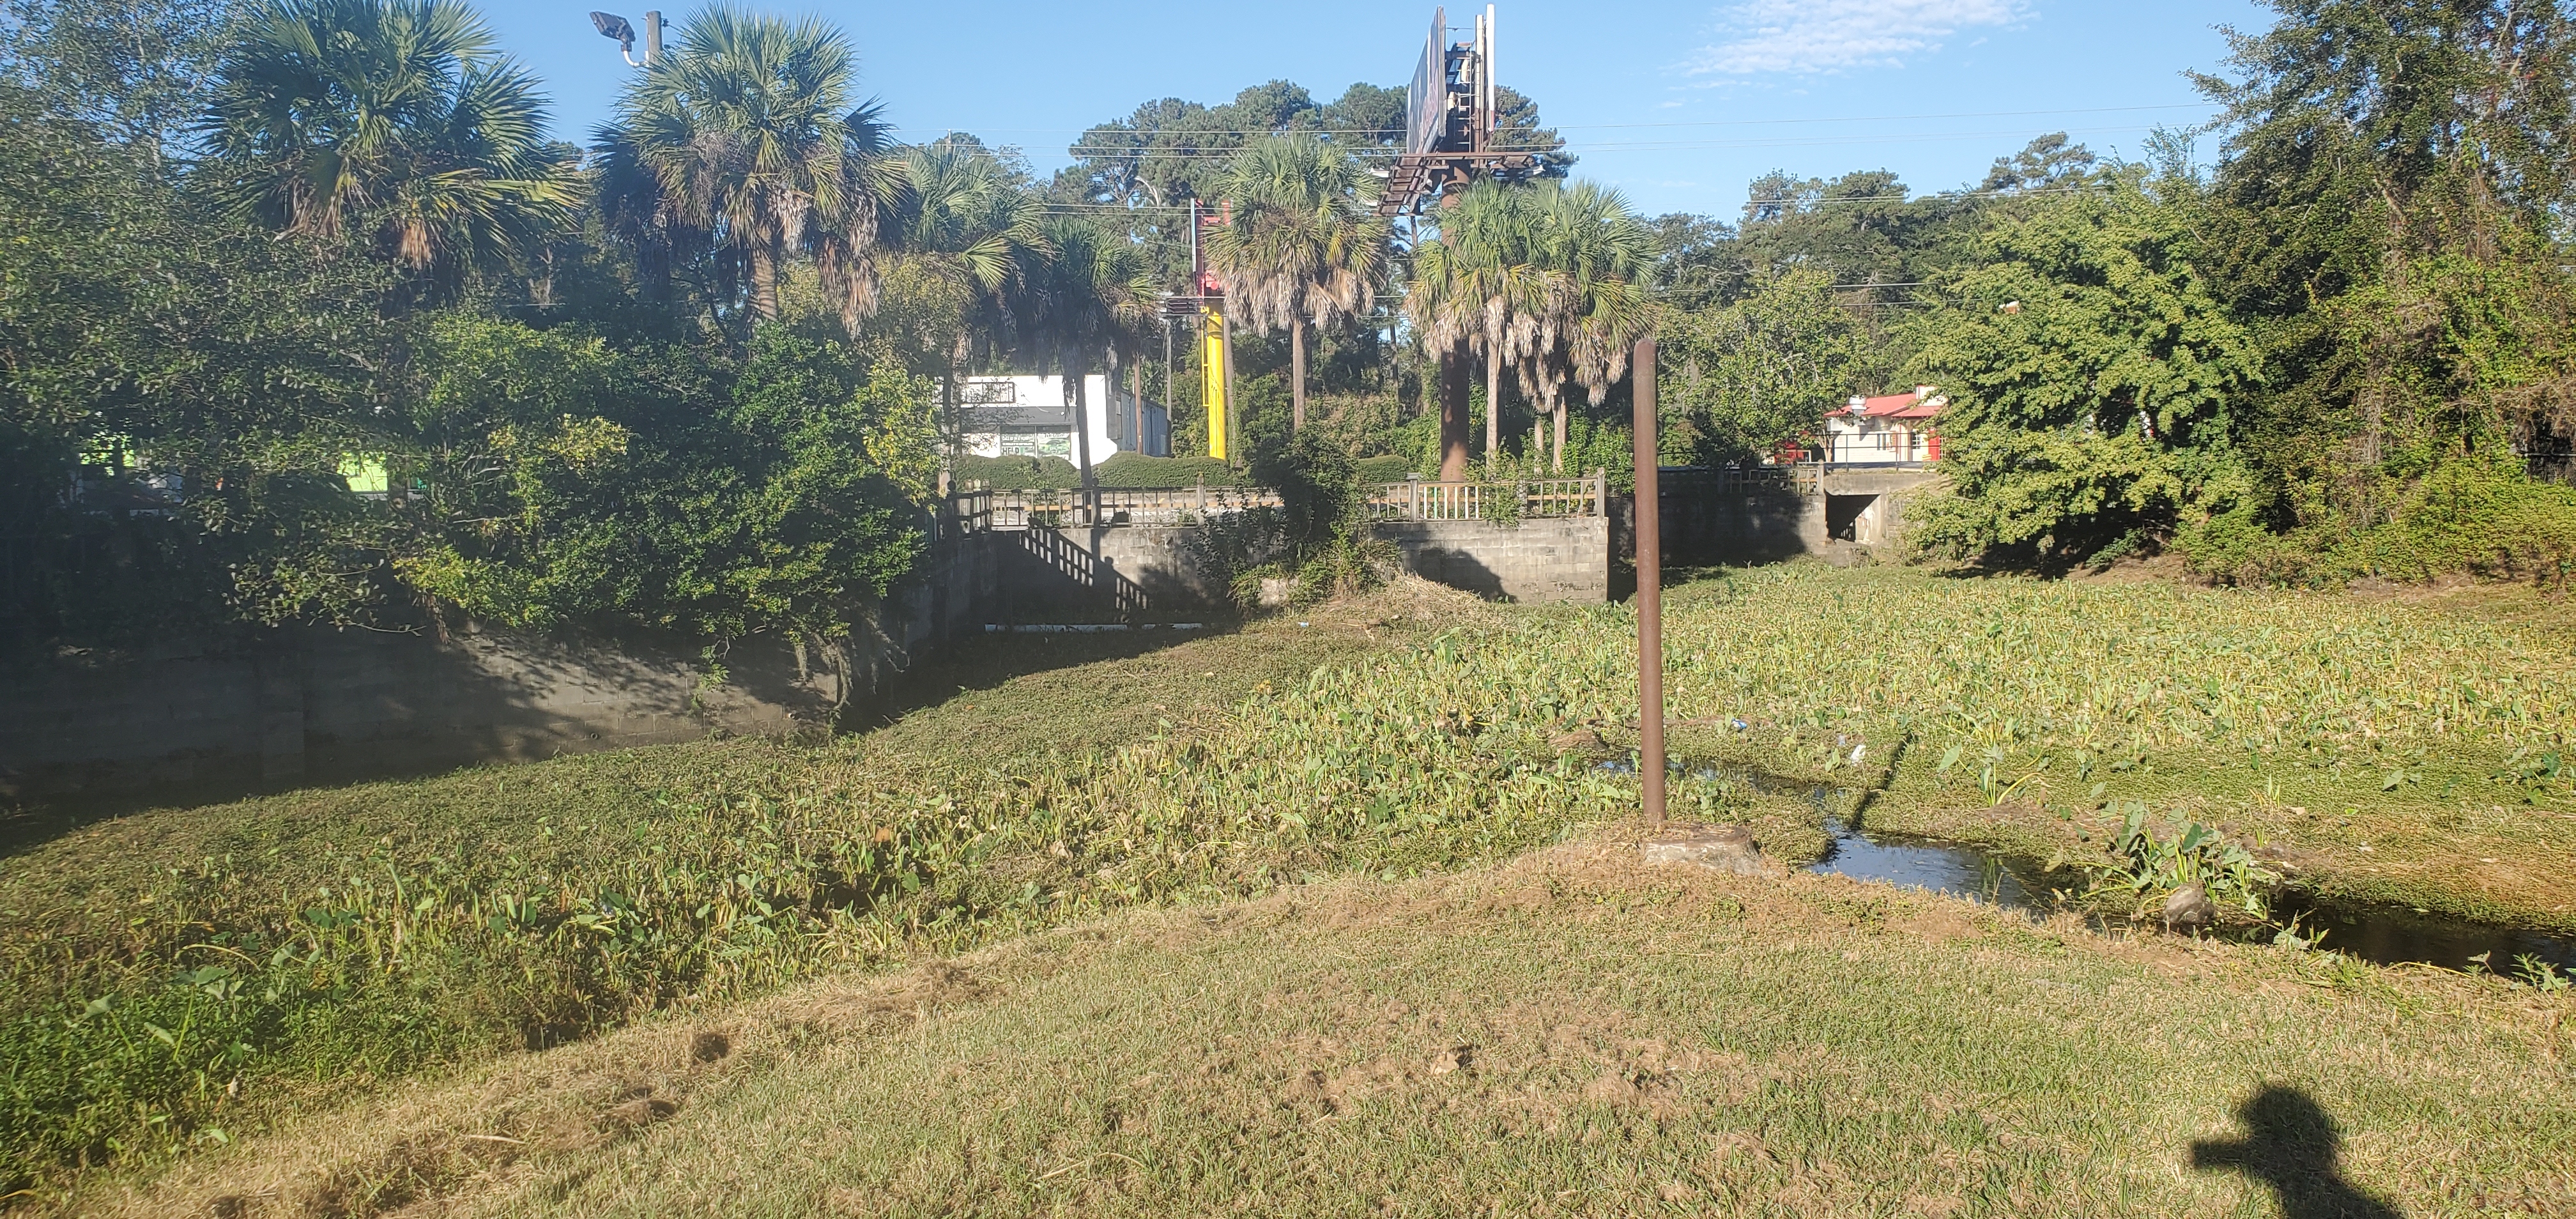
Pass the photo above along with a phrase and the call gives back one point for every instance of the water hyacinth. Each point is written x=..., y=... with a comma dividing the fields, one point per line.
x=2104, y=666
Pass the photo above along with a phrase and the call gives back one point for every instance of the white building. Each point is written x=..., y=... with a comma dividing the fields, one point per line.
x=1018, y=416
x=1893, y=429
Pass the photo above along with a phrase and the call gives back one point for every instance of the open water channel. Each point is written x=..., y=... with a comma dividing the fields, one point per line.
x=2385, y=935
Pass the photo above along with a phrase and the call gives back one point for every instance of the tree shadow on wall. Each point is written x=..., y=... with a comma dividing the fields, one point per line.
x=1460, y=570
x=2291, y=1145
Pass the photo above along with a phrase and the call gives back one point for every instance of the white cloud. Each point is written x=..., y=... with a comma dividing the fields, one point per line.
x=1810, y=37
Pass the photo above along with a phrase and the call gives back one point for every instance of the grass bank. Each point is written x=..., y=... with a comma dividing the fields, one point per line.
x=179, y=977
x=182, y=977
x=1573, y=1034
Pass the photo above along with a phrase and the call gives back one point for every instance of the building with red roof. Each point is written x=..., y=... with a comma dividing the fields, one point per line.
x=1890, y=429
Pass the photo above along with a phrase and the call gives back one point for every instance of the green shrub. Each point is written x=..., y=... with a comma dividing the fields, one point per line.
x=1135, y=471
x=1015, y=473
x=1122, y=472
x=2465, y=518
x=2147, y=867
x=1385, y=468
x=2462, y=518
x=1322, y=540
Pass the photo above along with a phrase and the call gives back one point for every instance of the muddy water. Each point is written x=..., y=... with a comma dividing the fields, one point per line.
x=2384, y=935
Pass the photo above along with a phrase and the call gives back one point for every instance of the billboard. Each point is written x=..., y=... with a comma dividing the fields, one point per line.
x=1426, y=103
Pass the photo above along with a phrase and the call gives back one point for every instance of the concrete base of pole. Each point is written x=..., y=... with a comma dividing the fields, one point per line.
x=1719, y=848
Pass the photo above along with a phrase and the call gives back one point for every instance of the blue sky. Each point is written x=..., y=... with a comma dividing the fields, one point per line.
x=1680, y=105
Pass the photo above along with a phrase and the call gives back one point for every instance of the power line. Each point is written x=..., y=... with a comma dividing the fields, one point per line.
x=1703, y=291
x=1150, y=153
x=2007, y=193
x=1792, y=201
x=1382, y=131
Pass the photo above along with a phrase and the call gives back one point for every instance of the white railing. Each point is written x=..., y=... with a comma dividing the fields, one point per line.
x=976, y=508
x=1422, y=500
x=1051, y=508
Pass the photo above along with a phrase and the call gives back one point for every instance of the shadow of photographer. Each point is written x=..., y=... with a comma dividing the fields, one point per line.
x=2290, y=1145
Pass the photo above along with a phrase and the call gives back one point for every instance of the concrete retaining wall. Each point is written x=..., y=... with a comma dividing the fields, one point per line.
x=1126, y=572
x=303, y=706
x=1107, y=573
x=1852, y=515
x=203, y=721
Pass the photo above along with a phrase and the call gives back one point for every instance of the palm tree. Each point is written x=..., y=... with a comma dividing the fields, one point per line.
x=749, y=134
x=1476, y=288
x=1301, y=242
x=1092, y=295
x=969, y=228
x=629, y=202
x=395, y=119
x=1589, y=303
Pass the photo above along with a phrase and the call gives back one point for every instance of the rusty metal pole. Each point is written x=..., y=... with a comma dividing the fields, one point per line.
x=1650, y=592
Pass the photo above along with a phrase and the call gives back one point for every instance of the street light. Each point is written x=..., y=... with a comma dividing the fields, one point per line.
x=610, y=25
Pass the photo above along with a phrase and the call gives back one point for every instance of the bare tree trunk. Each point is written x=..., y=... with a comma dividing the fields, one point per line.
x=949, y=396
x=1233, y=418
x=1296, y=374
x=843, y=677
x=1136, y=402
x=1453, y=417
x=764, y=285
x=1560, y=438
x=1082, y=443
x=1493, y=399
x=653, y=262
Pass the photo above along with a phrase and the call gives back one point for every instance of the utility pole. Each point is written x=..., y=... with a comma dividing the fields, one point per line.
x=1216, y=354
x=1650, y=591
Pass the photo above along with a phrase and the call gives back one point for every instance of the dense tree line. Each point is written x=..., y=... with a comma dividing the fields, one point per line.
x=2331, y=353
x=687, y=374
x=313, y=318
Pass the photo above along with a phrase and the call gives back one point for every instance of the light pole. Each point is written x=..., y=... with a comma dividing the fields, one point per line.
x=610, y=25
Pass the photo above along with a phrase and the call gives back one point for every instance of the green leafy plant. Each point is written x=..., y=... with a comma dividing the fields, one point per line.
x=2539, y=974
x=1322, y=539
x=2147, y=866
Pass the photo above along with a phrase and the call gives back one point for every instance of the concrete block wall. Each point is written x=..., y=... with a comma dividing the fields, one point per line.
x=1541, y=559
x=1741, y=527
x=212, y=720
x=1132, y=572
x=1852, y=514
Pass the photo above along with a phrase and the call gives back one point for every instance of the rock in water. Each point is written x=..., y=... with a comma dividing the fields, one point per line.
x=2188, y=907
x=1721, y=848
x=1581, y=740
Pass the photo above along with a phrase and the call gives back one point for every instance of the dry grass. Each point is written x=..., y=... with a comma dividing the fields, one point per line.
x=1572, y=1034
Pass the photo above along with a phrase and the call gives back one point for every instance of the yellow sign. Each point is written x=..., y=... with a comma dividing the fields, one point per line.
x=1212, y=378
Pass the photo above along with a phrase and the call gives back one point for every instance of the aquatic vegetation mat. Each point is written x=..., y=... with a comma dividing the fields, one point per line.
x=182, y=977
